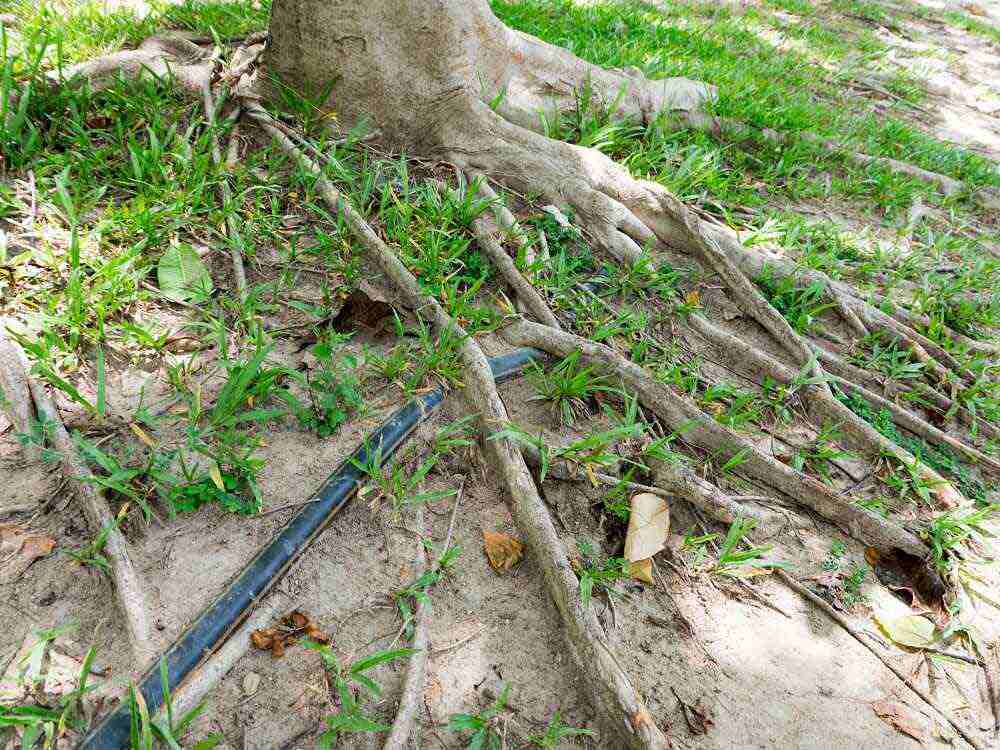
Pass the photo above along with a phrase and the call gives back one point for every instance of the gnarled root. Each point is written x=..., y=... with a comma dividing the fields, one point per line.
x=824, y=407
x=614, y=696
x=171, y=57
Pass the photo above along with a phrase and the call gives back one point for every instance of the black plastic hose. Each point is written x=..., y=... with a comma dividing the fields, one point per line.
x=225, y=613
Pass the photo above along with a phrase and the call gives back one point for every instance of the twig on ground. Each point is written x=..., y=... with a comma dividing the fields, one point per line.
x=906, y=679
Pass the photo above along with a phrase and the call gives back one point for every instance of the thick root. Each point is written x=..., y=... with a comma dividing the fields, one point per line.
x=413, y=683
x=211, y=107
x=171, y=58
x=678, y=413
x=618, y=702
x=15, y=396
x=824, y=408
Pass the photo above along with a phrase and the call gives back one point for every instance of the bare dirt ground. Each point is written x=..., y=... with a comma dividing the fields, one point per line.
x=721, y=663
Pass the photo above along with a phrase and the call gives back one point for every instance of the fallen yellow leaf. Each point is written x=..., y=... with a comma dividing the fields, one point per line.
x=642, y=570
x=648, y=526
x=213, y=471
x=142, y=435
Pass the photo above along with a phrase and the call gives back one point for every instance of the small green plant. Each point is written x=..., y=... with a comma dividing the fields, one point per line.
x=483, y=726
x=333, y=389
x=44, y=723
x=165, y=730
x=92, y=553
x=837, y=551
x=402, y=484
x=600, y=574
x=351, y=686
x=800, y=305
x=818, y=455
x=418, y=591
x=889, y=357
x=555, y=732
x=949, y=531
x=735, y=560
x=568, y=386
x=852, y=585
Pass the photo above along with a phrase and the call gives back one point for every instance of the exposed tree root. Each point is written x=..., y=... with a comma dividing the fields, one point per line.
x=525, y=291
x=412, y=692
x=507, y=221
x=15, y=396
x=166, y=57
x=679, y=414
x=672, y=480
x=212, y=109
x=128, y=584
x=871, y=381
x=823, y=407
x=905, y=678
x=617, y=701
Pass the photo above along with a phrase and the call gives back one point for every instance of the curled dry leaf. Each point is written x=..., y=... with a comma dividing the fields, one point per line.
x=648, y=527
x=366, y=307
x=503, y=551
x=897, y=717
x=287, y=632
x=19, y=549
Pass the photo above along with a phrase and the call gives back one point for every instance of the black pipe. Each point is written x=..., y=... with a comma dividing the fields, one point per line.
x=219, y=619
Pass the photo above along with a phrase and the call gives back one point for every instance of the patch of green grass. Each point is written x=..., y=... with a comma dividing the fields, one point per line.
x=568, y=386
x=939, y=458
x=597, y=573
x=353, y=687
x=759, y=84
x=483, y=728
x=800, y=305
x=950, y=531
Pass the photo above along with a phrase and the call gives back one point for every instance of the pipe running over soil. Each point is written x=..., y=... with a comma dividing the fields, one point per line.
x=212, y=627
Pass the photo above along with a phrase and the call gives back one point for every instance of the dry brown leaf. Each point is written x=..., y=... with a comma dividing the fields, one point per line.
x=693, y=298
x=365, y=307
x=642, y=570
x=648, y=526
x=503, y=551
x=262, y=639
x=896, y=717
x=19, y=550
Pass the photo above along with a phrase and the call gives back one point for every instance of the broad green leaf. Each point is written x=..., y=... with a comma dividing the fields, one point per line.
x=182, y=275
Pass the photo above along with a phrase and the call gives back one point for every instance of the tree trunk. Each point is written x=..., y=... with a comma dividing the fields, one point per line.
x=411, y=68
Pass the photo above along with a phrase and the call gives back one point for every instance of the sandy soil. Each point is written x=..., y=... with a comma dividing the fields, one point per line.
x=765, y=668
